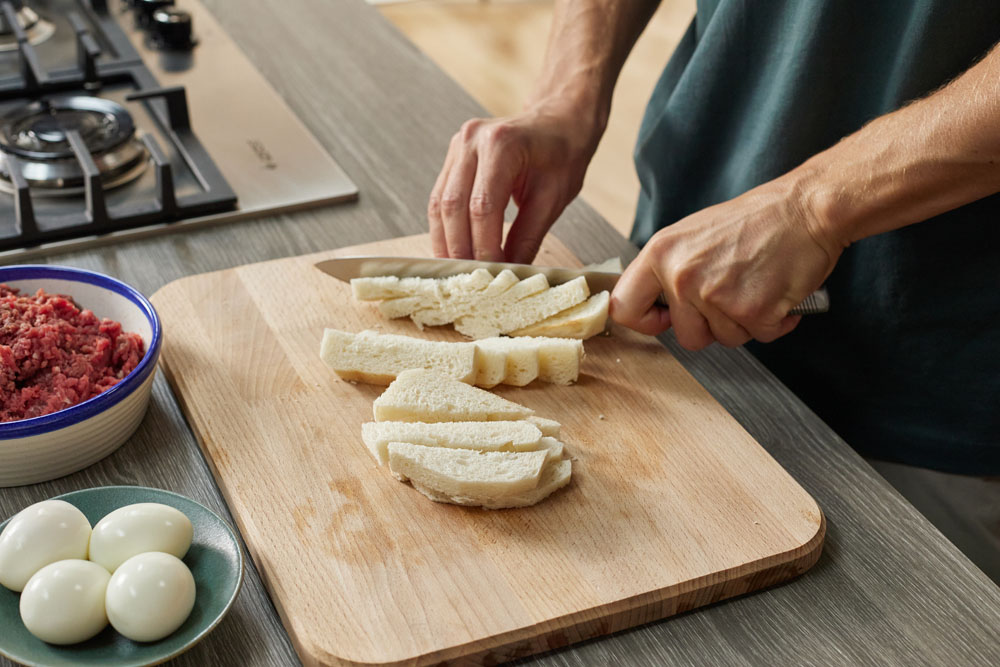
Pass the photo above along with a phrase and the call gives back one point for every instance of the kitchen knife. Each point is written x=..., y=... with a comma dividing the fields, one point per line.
x=367, y=266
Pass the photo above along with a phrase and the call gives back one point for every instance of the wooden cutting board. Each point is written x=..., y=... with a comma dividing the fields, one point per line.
x=672, y=504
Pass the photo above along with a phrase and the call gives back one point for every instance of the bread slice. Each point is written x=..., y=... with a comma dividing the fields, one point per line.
x=491, y=365
x=402, y=306
x=481, y=436
x=488, y=309
x=502, y=315
x=517, y=357
x=465, y=473
x=554, y=476
x=379, y=358
x=420, y=395
x=390, y=287
x=581, y=321
x=554, y=360
x=549, y=427
x=553, y=448
x=423, y=292
x=458, y=304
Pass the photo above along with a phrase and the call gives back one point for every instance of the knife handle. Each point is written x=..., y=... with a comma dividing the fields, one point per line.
x=817, y=302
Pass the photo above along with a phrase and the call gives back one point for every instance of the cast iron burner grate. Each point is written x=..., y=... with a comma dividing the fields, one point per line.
x=64, y=139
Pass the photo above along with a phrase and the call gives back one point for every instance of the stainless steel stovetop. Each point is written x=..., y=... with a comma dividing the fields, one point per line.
x=115, y=124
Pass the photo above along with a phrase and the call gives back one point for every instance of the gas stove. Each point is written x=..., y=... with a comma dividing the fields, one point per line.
x=120, y=119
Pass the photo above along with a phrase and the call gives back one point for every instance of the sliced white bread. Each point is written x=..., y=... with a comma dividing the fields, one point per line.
x=553, y=448
x=559, y=359
x=554, y=476
x=555, y=360
x=549, y=427
x=581, y=321
x=517, y=357
x=491, y=365
x=481, y=436
x=420, y=395
x=401, y=306
x=460, y=303
x=380, y=358
x=431, y=292
x=466, y=473
x=501, y=315
x=489, y=309
x=390, y=287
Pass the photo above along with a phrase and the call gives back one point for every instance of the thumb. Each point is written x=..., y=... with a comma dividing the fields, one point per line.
x=535, y=216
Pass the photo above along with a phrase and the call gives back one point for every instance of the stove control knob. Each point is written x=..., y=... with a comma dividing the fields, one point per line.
x=171, y=29
x=146, y=8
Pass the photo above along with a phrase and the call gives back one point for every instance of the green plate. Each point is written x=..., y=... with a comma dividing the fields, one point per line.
x=215, y=560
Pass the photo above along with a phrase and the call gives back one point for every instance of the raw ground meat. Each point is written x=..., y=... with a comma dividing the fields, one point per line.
x=54, y=355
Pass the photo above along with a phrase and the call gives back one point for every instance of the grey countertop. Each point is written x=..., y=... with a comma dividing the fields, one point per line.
x=888, y=589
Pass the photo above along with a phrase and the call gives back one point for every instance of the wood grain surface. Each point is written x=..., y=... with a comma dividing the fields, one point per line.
x=888, y=588
x=672, y=506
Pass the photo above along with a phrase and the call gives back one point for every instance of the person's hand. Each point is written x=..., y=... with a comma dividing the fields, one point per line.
x=730, y=272
x=538, y=157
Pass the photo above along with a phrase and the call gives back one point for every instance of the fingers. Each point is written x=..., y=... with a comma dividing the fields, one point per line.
x=535, y=214
x=784, y=326
x=633, y=301
x=526, y=233
x=691, y=327
x=455, y=205
x=438, y=242
x=499, y=167
x=723, y=328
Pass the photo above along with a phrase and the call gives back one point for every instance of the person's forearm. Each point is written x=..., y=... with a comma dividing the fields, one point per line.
x=589, y=41
x=929, y=157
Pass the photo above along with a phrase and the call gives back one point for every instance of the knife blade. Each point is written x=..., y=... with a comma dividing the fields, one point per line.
x=369, y=266
x=345, y=268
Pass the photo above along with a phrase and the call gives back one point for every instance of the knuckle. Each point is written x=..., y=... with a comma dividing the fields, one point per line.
x=765, y=336
x=498, y=135
x=684, y=279
x=469, y=129
x=745, y=312
x=434, y=205
x=732, y=336
x=482, y=205
x=450, y=204
x=692, y=341
x=658, y=243
x=693, y=335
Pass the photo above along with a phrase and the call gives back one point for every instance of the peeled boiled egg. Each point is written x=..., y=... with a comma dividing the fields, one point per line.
x=43, y=533
x=149, y=596
x=136, y=529
x=63, y=603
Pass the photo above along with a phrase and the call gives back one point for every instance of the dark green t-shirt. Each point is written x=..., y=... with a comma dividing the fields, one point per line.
x=906, y=366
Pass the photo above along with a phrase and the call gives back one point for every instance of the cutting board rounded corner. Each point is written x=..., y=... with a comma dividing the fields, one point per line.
x=164, y=292
x=799, y=559
x=805, y=556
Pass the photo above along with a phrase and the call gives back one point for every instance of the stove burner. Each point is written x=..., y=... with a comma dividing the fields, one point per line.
x=35, y=27
x=37, y=134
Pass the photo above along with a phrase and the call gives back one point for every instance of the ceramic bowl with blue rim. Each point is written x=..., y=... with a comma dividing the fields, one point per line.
x=43, y=448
